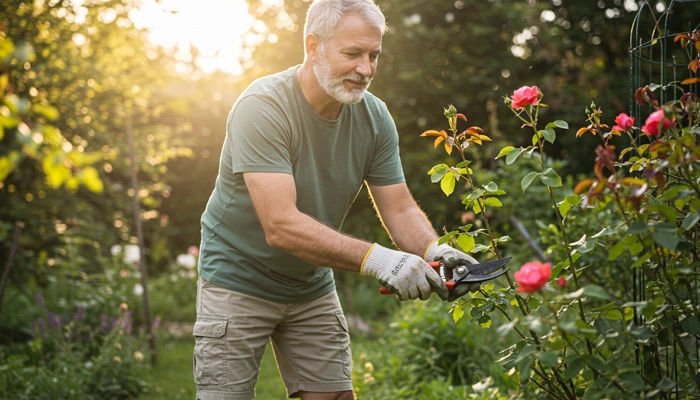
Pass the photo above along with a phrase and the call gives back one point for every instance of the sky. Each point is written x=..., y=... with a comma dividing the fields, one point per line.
x=214, y=27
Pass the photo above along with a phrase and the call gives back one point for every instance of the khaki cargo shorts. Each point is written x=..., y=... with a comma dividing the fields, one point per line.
x=310, y=341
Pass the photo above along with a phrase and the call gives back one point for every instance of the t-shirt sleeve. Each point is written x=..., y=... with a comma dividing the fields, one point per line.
x=386, y=168
x=260, y=138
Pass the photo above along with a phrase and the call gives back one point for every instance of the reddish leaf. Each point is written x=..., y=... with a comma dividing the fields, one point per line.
x=690, y=81
x=583, y=186
x=693, y=66
x=462, y=117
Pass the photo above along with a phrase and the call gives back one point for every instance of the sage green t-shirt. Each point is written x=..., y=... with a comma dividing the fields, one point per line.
x=272, y=128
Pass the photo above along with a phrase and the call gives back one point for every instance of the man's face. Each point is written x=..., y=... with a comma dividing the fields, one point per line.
x=345, y=65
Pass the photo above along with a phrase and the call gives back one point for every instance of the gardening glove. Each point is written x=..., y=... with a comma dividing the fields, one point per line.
x=451, y=256
x=405, y=274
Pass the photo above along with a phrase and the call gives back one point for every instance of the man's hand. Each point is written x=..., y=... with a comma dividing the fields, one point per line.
x=447, y=253
x=407, y=275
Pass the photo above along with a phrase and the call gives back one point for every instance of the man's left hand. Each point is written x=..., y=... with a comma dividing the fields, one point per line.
x=446, y=253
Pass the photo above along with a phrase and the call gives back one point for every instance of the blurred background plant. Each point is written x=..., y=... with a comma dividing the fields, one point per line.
x=76, y=76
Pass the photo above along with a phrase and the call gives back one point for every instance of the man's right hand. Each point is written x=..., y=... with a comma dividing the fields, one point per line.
x=407, y=275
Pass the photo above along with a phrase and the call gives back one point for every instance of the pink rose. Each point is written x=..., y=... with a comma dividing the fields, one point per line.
x=525, y=96
x=623, y=122
x=651, y=126
x=532, y=276
x=193, y=250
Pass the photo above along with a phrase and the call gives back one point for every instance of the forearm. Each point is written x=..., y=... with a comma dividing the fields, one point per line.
x=406, y=223
x=315, y=243
x=411, y=230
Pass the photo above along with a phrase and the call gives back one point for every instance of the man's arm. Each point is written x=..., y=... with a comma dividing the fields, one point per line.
x=287, y=228
x=406, y=223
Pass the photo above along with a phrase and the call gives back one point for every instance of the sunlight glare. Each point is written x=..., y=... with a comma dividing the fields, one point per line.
x=213, y=27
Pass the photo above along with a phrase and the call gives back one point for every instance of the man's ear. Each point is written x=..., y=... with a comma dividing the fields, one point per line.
x=312, y=47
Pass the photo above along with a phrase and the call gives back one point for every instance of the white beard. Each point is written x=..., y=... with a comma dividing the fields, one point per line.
x=334, y=87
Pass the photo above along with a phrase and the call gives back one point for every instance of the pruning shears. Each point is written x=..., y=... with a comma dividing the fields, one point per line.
x=456, y=272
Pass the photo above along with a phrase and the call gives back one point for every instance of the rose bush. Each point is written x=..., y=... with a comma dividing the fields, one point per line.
x=620, y=319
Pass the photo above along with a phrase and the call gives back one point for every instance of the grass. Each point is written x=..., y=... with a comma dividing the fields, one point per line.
x=171, y=378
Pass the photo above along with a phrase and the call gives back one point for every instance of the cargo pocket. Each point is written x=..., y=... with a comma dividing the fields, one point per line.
x=209, y=351
x=344, y=342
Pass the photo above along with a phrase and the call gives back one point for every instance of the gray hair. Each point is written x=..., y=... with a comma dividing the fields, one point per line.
x=323, y=16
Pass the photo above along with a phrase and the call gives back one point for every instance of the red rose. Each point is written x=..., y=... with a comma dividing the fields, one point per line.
x=532, y=276
x=561, y=282
x=623, y=122
x=651, y=126
x=525, y=96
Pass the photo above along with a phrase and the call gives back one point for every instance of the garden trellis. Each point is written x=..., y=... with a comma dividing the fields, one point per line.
x=659, y=63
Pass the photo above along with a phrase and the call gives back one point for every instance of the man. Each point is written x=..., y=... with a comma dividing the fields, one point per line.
x=299, y=145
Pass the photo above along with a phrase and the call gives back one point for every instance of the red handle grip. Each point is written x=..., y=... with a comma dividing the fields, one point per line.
x=450, y=285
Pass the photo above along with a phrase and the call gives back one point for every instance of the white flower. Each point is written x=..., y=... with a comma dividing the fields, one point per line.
x=188, y=261
x=138, y=289
x=132, y=254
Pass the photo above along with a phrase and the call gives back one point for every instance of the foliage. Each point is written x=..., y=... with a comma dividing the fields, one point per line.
x=66, y=124
x=424, y=355
x=91, y=360
x=588, y=335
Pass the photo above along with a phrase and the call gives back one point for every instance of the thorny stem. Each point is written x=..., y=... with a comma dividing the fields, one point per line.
x=524, y=307
x=560, y=220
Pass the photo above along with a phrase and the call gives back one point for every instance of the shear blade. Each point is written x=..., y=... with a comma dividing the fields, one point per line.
x=483, y=271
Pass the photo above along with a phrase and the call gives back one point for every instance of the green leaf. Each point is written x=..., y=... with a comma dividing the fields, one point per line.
x=525, y=370
x=688, y=222
x=595, y=291
x=549, y=359
x=666, y=383
x=549, y=135
x=466, y=242
x=614, y=315
x=641, y=333
x=447, y=184
x=91, y=179
x=637, y=227
x=666, y=239
x=527, y=180
x=505, y=151
x=457, y=312
x=690, y=325
x=513, y=155
x=493, y=202
x=550, y=178
x=564, y=208
x=485, y=321
x=632, y=380
x=491, y=187
x=574, y=367
x=560, y=124
x=616, y=251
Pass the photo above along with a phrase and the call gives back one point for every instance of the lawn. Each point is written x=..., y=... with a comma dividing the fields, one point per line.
x=171, y=378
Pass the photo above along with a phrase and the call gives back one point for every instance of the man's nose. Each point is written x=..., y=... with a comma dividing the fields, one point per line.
x=364, y=66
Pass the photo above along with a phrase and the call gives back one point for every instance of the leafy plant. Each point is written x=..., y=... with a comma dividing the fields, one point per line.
x=586, y=335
